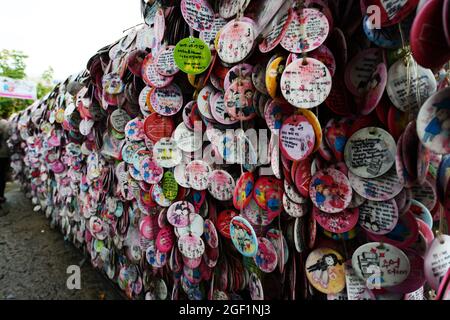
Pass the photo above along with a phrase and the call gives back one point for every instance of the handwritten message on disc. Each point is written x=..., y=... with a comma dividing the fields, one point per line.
x=192, y=55
x=306, y=85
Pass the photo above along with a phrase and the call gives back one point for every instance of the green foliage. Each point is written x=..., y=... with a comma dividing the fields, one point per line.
x=45, y=86
x=9, y=106
x=12, y=65
x=47, y=76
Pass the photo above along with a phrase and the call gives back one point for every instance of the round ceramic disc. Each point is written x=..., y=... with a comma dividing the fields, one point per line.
x=423, y=163
x=433, y=122
x=221, y=185
x=243, y=190
x=263, y=187
x=293, y=209
x=378, y=217
x=218, y=110
x=370, y=152
x=197, y=173
x=297, y=138
x=179, y=213
x=167, y=101
x=383, y=265
x=266, y=256
x=159, y=197
x=210, y=234
x=192, y=56
x=165, y=239
x=274, y=71
x=330, y=190
x=150, y=74
x=388, y=38
x=255, y=214
x=382, y=188
x=119, y=119
x=336, y=135
x=314, y=121
x=204, y=102
x=238, y=100
x=242, y=70
x=255, y=287
x=198, y=14
x=425, y=194
x=196, y=226
x=236, y=41
x=186, y=139
x=437, y=261
x=323, y=54
x=165, y=62
x=421, y=212
x=375, y=89
x=279, y=242
x=360, y=69
x=150, y=171
x=274, y=114
x=243, y=237
x=157, y=127
x=409, y=88
x=446, y=20
x=191, y=246
x=306, y=83
x=429, y=35
x=340, y=222
x=325, y=270
x=315, y=28
x=223, y=222
x=292, y=194
x=209, y=36
x=275, y=31
x=166, y=153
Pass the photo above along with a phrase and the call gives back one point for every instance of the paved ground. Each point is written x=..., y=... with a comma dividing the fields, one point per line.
x=34, y=258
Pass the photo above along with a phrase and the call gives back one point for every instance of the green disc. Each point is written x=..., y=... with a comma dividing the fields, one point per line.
x=192, y=55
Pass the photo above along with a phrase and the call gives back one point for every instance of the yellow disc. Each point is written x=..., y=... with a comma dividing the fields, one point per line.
x=325, y=270
x=59, y=117
x=149, y=105
x=311, y=117
x=216, y=40
x=46, y=127
x=273, y=75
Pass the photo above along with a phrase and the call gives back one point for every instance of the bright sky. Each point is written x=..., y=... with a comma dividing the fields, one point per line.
x=63, y=34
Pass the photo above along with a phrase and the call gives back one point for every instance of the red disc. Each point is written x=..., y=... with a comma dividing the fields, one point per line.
x=135, y=60
x=382, y=111
x=157, y=127
x=243, y=191
x=446, y=20
x=265, y=186
x=370, y=120
x=397, y=122
x=303, y=177
x=339, y=100
x=223, y=222
x=428, y=40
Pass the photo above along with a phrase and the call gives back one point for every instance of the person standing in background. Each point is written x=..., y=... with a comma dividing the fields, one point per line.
x=4, y=155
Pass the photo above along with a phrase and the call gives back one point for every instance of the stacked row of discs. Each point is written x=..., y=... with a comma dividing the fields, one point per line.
x=255, y=150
